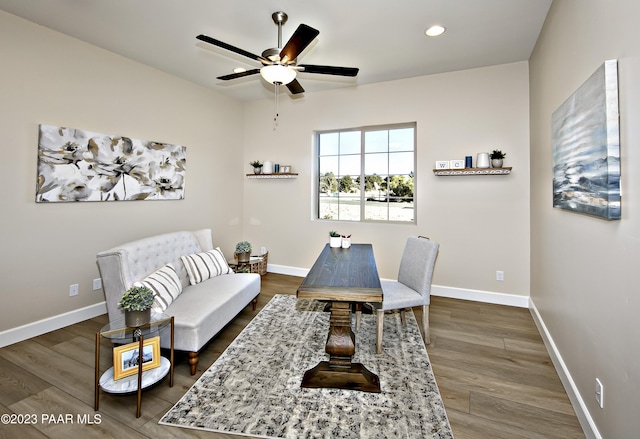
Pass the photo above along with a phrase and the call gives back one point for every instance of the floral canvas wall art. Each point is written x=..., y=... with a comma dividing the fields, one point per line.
x=586, y=147
x=77, y=165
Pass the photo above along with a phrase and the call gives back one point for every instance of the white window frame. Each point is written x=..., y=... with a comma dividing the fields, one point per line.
x=362, y=193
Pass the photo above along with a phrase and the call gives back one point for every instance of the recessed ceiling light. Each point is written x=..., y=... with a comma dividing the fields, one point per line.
x=434, y=31
x=239, y=70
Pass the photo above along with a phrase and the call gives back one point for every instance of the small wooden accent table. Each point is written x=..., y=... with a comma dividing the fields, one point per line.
x=342, y=276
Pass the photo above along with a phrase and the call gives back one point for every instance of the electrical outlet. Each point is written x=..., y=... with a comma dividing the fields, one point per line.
x=97, y=284
x=73, y=290
x=599, y=393
x=500, y=275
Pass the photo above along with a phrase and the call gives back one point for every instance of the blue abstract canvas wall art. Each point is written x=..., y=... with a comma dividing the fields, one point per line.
x=586, y=147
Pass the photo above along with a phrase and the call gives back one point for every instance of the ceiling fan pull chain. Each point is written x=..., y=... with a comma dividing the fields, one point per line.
x=275, y=111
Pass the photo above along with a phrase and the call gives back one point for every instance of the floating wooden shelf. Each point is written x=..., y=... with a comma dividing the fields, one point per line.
x=280, y=175
x=472, y=171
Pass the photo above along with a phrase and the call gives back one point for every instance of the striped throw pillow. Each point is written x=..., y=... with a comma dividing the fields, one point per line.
x=202, y=266
x=166, y=284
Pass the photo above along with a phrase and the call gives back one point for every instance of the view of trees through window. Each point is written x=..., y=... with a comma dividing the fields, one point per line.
x=367, y=174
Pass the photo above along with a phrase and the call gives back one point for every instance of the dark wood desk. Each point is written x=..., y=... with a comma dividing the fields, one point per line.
x=342, y=276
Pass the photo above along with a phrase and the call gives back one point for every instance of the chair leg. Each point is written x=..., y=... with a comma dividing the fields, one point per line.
x=379, y=331
x=403, y=317
x=425, y=324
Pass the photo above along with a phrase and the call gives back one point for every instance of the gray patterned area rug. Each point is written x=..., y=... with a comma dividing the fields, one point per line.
x=253, y=389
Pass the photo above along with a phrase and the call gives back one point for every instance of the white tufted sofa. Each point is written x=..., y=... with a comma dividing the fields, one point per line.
x=201, y=310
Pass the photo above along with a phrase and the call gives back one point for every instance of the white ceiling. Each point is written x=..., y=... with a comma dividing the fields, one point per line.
x=384, y=38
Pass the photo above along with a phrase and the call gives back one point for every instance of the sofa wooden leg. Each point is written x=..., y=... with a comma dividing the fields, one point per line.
x=254, y=302
x=193, y=362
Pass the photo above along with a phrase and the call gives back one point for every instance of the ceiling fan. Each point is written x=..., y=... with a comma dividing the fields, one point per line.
x=279, y=65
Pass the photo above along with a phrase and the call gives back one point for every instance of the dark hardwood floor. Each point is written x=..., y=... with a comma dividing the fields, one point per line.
x=494, y=374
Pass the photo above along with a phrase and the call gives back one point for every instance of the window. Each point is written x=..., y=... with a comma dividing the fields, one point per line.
x=367, y=174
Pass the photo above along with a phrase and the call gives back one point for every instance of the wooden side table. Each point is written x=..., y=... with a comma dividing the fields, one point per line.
x=119, y=333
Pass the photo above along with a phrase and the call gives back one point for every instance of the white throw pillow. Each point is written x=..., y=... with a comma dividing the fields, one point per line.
x=202, y=266
x=166, y=284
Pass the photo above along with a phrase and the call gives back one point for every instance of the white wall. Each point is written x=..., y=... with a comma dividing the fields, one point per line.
x=481, y=222
x=584, y=280
x=49, y=78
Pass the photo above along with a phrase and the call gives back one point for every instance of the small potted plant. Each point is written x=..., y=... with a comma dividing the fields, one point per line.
x=496, y=158
x=243, y=251
x=136, y=303
x=335, y=239
x=257, y=166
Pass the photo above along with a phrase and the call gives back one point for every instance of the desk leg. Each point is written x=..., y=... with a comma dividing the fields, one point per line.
x=339, y=372
x=139, y=393
x=97, y=377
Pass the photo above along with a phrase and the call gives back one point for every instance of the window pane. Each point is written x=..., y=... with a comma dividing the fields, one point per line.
x=350, y=165
x=350, y=142
x=329, y=144
x=376, y=163
x=401, y=140
x=328, y=207
x=329, y=164
x=349, y=207
x=401, y=163
x=376, y=211
x=401, y=210
x=376, y=141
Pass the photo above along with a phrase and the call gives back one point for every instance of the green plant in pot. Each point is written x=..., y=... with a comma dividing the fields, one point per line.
x=335, y=239
x=136, y=303
x=497, y=157
x=257, y=166
x=243, y=251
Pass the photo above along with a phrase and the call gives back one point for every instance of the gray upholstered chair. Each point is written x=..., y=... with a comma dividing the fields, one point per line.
x=413, y=287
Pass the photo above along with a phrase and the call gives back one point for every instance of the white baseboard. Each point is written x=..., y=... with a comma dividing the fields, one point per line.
x=24, y=332
x=481, y=296
x=584, y=417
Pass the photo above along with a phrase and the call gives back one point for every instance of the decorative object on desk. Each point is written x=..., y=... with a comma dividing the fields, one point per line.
x=468, y=162
x=276, y=168
x=279, y=407
x=78, y=165
x=335, y=239
x=497, y=157
x=285, y=169
x=483, y=160
x=126, y=358
x=346, y=241
x=442, y=164
x=585, y=132
x=267, y=167
x=136, y=303
x=243, y=251
x=257, y=166
x=457, y=164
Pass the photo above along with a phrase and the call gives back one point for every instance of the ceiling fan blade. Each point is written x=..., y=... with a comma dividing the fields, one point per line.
x=301, y=38
x=330, y=70
x=295, y=87
x=234, y=49
x=239, y=74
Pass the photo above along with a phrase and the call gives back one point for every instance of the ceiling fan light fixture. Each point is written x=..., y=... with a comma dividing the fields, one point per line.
x=278, y=73
x=435, y=30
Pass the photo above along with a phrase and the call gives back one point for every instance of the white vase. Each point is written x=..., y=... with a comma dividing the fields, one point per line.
x=346, y=242
x=483, y=160
x=267, y=167
x=335, y=241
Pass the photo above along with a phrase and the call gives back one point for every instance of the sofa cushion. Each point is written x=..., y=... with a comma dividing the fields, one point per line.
x=203, y=266
x=166, y=284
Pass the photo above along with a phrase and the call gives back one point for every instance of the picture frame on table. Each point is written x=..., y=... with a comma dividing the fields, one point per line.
x=285, y=169
x=126, y=357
